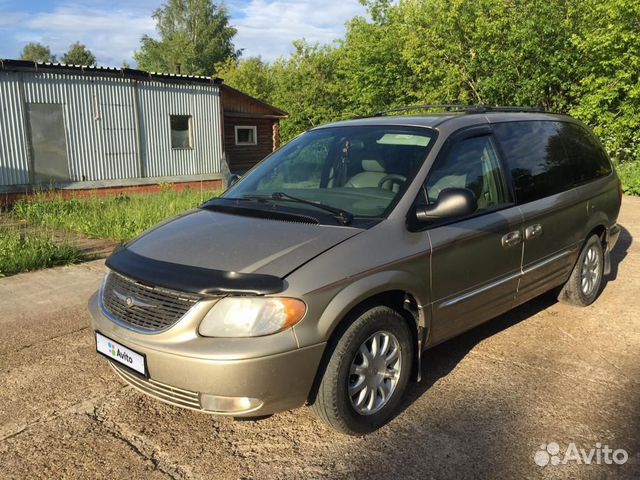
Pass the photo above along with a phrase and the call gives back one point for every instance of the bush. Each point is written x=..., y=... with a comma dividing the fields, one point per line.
x=629, y=173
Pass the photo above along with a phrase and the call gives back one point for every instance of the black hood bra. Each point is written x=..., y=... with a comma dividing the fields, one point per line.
x=198, y=280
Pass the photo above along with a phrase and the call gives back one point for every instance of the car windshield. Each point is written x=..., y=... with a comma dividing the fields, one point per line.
x=361, y=171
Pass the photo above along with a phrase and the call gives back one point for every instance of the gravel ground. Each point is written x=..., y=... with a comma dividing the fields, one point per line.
x=489, y=399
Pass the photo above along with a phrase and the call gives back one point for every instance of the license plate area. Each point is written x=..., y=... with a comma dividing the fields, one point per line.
x=121, y=354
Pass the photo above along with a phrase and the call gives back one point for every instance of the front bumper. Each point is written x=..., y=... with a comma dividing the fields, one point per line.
x=192, y=372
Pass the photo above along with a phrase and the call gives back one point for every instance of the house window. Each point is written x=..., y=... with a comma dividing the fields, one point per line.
x=181, y=131
x=246, y=135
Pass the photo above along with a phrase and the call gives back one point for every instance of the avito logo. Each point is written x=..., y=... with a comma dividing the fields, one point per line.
x=115, y=352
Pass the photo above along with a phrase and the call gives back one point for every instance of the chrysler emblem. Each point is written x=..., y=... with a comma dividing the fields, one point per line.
x=131, y=301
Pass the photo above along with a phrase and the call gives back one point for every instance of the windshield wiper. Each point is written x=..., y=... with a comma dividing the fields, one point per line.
x=343, y=216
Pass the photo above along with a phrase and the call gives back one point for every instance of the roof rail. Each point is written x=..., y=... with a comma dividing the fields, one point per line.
x=460, y=108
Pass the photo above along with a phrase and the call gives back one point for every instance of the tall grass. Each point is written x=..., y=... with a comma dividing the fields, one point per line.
x=117, y=218
x=630, y=175
x=31, y=250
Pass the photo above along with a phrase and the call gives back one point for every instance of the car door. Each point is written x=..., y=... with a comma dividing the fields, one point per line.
x=476, y=260
x=553, y=217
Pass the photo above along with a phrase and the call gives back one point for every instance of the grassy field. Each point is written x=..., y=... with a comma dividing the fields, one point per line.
x=117, y=218
x=32, y=250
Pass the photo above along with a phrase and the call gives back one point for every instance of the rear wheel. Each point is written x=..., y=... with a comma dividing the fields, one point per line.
x=585, y=281
x=367, y=373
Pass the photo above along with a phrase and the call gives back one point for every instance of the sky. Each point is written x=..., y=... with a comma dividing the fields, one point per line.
x=112, y=29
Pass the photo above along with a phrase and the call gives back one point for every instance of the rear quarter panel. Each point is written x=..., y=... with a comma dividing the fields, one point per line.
x=601, y=203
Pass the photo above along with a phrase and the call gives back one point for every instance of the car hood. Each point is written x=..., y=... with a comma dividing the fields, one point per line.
x=237, y=243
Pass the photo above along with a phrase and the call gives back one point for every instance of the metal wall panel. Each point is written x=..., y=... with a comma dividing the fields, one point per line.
x=84, y=139
x=99, y=122
x=14, y=158
x=116, y=115
x=83, y=129
x=157, y=103
x=101, y=126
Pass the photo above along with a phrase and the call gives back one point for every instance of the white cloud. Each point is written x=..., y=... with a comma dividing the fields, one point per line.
x=268, y=27
x=112, y=35
x=112, y=29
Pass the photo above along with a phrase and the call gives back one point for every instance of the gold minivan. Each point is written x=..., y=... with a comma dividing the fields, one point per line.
x=321, y=276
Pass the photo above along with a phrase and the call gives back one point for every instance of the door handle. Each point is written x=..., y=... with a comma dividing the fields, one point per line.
x=533, y=231
x=511, y=239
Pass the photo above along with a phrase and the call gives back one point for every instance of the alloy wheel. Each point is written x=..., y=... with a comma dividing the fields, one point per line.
x=374, y=373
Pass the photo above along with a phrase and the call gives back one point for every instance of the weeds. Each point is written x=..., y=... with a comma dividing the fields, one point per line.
x=117, y=218
x=630, y=175
x=21, y=251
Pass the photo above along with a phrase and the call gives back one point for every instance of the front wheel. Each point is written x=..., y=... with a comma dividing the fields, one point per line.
x=585, y=281
x=367, y=373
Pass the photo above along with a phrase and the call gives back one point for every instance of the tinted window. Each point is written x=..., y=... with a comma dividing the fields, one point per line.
x=546, y=158
x=471, y=163
x=536, y=158
x=587, y=161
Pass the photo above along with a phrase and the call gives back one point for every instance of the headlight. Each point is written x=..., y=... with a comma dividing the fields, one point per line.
x=251, y=316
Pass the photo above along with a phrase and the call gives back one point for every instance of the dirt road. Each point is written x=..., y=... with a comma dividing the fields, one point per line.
x=545, y=373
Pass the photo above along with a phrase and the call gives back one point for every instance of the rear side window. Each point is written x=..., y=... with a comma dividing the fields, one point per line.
x=546, y=158
x=536, y=158
x=586, y=158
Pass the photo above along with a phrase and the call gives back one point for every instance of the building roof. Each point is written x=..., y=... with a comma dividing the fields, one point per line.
x=239, y=104
x=236, y=102
x=132, y=73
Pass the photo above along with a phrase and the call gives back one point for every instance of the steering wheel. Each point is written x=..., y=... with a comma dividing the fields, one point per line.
x=393, y=179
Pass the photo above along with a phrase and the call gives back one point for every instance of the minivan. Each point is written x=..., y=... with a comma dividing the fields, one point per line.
x=321, y=276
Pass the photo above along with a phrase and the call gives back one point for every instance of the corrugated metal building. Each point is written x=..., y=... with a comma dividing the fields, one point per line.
x=77, y=127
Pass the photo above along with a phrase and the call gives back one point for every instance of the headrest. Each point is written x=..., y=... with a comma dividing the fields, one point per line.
x=372, y=166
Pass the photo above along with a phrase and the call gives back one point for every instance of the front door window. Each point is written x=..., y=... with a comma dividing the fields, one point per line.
x=472, y=163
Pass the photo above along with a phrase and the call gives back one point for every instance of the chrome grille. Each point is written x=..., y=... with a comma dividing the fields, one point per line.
x=144, y=307
x=166, y=393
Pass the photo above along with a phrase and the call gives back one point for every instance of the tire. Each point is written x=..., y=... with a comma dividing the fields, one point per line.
x=585, y=282
x=348, y=367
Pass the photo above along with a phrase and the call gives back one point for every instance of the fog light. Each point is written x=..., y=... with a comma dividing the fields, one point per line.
x=215, y=403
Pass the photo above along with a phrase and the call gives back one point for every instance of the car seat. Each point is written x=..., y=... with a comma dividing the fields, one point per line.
x=372, y=172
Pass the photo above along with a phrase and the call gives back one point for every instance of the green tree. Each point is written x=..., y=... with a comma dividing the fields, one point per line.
x=607, y=91
x=305, y=85
x=379, y=10
x=195, y=37
x=491, y=51
x=78, y=54
x=578, y=56
x=37, y=52
x=249, y=75
x=372, y=73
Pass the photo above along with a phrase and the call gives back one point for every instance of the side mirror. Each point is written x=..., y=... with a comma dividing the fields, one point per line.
x=232, y=179
x=451, y=202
